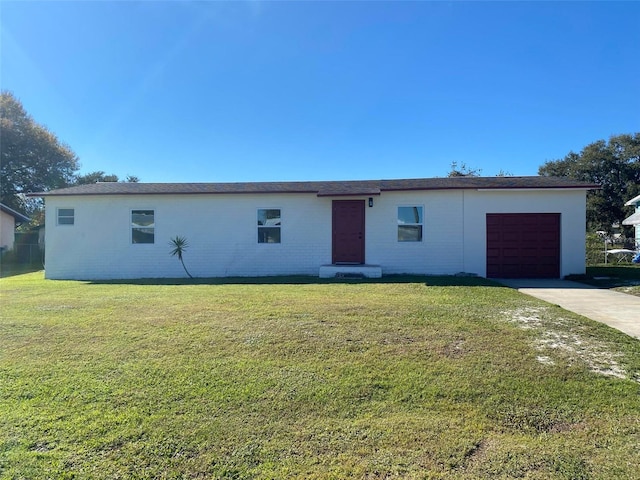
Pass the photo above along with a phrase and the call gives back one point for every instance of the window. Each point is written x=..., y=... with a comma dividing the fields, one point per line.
x=410, y=224
x=66, y=216
x=269, y=225
x=142, y=226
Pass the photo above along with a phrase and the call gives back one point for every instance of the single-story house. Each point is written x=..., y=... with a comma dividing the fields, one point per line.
x=9, y=218
x=487, y=226
x=634, y=219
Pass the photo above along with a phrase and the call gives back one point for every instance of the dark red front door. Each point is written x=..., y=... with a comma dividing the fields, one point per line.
x=523, y=245
x=348, y=231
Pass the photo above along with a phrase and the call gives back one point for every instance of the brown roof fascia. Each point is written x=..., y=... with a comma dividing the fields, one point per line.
x=349, y=193
x=547, y=187
x=104, y=194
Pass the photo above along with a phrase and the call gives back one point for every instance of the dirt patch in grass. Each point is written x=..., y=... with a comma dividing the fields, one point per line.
x=455, y=349
x=561, y=338
x=630, y=289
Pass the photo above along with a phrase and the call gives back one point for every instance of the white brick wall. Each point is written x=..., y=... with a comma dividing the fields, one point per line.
x=222, y=233
x=570, y=204
x=440, y=252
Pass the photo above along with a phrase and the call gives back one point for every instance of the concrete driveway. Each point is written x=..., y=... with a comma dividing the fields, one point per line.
x=618, y=310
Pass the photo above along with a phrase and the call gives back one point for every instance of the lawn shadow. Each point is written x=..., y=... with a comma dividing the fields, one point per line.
x=11, y=270
x=609, y=276
x=428, y=280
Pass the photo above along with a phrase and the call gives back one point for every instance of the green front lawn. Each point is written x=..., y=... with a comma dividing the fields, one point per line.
x=297, y=378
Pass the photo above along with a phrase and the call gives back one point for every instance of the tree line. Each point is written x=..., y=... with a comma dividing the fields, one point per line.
x=612, y=164
x=33, y=159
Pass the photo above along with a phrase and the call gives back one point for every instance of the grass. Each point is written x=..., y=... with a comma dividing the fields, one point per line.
x=9, y=269
x=425, y=378
x=624, y=278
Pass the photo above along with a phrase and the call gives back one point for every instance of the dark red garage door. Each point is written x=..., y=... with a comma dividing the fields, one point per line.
x=523, y=245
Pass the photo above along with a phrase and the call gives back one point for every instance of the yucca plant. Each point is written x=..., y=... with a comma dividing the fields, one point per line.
x=179, y=245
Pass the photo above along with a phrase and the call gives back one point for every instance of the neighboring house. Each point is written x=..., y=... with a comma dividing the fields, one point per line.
x=493, y=227
x=635, y=218
x=41, y=233
x=9, y=218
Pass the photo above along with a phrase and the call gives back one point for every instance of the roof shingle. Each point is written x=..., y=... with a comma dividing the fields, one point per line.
x=321, y=188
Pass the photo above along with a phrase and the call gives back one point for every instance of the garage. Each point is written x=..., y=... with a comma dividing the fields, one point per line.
x=523, y=245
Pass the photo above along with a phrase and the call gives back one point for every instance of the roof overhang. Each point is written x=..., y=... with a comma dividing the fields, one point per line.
x=325, y=188
x=633, y=219
x=17, y=215
x=541, y=189
x=348, y=192
x=633, y=201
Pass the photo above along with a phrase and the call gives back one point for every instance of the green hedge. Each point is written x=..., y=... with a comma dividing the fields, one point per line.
x=595, y=249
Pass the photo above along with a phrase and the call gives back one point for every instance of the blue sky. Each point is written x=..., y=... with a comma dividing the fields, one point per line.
x=263, y=91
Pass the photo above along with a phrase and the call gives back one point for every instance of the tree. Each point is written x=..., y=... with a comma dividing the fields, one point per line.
x=615, y=166
x=100, y=176
x=94, y=177
x=463, y=171
x=32, y=158
x=179, y=245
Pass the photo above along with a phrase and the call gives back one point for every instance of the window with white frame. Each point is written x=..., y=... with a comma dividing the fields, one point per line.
x=269, y=225
x=143, y=226
x=66, y=216
x=410, y=222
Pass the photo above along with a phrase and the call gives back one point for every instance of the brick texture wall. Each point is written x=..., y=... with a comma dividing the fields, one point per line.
x=223, y=238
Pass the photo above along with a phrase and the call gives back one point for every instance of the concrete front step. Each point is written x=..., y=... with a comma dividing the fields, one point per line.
x=350, y=271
